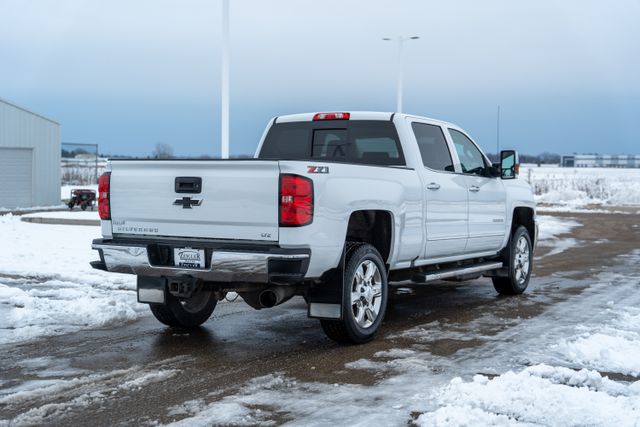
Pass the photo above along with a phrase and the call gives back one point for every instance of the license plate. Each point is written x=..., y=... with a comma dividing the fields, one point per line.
x=188, y=257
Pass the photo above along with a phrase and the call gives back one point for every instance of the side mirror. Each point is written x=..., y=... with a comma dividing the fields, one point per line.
x=509, y=164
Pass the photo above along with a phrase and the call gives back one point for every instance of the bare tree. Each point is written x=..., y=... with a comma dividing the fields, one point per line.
x=162, y=151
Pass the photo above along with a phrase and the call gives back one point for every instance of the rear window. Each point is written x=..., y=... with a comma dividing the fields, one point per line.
x=370, y=142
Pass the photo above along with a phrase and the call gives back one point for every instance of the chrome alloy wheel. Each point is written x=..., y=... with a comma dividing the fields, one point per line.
x=521, y=260
x=366, y=294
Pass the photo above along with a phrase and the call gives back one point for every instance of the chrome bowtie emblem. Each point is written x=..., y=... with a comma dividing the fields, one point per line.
x=187, y=202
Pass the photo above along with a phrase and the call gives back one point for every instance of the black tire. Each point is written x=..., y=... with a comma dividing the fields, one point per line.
x=83, y=207
x=518, y=263
x=356, y=325
x=187, y=314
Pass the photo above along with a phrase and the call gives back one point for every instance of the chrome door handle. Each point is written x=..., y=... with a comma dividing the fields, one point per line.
x=474, y=188
x=433, y=186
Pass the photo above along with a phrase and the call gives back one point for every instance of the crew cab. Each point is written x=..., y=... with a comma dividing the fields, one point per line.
x=334, y=207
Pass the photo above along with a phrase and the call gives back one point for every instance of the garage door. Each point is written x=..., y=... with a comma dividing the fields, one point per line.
x=15, y=177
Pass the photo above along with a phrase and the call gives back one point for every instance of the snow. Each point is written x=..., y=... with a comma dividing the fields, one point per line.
x=526, y=372
x=47, y=286
x=33, y=208
x=550, y=233
x=613, y=348
x=81, y=391
x=537, y=395
x=549, y=227
x=67, y=214
x=574, y=188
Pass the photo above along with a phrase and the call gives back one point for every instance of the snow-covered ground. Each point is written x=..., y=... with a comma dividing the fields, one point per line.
x=67, y=214
x=574, y=188
x=539, y=371
x=552, y=231
x=47, y=286
x=32, y=208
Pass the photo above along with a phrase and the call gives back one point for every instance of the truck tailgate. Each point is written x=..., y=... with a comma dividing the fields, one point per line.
x=238, y=199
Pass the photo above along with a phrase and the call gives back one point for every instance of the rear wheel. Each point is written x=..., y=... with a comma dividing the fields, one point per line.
x=364, y=297
x=185, y=312
x=520, y=261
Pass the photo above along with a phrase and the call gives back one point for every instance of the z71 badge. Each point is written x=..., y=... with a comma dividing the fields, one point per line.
x=317, y=169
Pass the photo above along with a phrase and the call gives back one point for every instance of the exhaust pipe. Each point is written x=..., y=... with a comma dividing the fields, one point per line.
x=275, y=295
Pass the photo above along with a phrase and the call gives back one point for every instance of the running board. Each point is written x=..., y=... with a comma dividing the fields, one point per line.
x=454, y=272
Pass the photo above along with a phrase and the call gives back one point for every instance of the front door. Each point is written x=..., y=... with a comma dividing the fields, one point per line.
x=487, y=197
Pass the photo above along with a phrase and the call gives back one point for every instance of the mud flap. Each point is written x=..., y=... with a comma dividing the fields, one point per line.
x=325, y=298
x=152, y=290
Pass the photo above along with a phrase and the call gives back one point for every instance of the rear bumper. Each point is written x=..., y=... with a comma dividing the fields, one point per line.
x=226, y=262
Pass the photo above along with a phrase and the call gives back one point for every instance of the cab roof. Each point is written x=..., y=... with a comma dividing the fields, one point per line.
x=355, y=115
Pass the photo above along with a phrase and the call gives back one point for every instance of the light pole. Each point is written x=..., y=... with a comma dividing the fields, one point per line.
x=400, y=40
x=224, y=96
x=498, y=134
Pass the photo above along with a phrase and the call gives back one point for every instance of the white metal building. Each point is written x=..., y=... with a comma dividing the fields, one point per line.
x=600, y=161
x=29, y=158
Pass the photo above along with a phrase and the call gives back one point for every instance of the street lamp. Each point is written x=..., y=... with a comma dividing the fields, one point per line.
x=400, y=40
x=224, y=98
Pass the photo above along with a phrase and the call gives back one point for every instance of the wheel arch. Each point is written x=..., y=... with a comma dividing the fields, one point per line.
x=373, y=226
x=525, y=216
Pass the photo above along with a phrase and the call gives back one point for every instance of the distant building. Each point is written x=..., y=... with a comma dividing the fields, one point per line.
x=29, y=158
x=600, y=161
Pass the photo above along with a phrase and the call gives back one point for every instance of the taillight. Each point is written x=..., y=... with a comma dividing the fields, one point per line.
x=104, y=207
x=296, y=200
x=331, y=116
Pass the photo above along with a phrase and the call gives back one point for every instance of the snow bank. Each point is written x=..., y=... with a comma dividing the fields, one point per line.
x=47, y=286
x=55, y=307
x=579, y=187
x=610, y=348
x=538, y=395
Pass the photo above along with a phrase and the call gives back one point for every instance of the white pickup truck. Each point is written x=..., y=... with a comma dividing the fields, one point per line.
x=333, y=207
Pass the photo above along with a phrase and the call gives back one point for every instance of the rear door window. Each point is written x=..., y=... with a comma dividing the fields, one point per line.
x=433, y=147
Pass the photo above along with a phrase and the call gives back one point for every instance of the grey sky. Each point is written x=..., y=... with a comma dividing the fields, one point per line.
x=127, y=74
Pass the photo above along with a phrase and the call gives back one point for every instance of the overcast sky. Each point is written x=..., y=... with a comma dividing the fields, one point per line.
x=129, y=74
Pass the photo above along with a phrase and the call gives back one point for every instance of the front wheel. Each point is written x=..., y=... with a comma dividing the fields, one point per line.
x=364, y=297
x=186, y=313
x=519, y=263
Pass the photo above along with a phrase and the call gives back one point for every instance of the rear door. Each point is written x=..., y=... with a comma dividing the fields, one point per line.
x=487, y=197
x=235, y=199
x=445, y=193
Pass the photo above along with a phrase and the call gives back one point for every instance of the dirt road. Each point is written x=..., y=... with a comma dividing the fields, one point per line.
x=132, y=374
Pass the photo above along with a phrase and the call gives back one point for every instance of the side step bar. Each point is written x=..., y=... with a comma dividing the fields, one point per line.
x=454, y=272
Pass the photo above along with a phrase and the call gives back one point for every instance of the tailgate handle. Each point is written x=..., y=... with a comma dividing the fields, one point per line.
x=188, y=184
